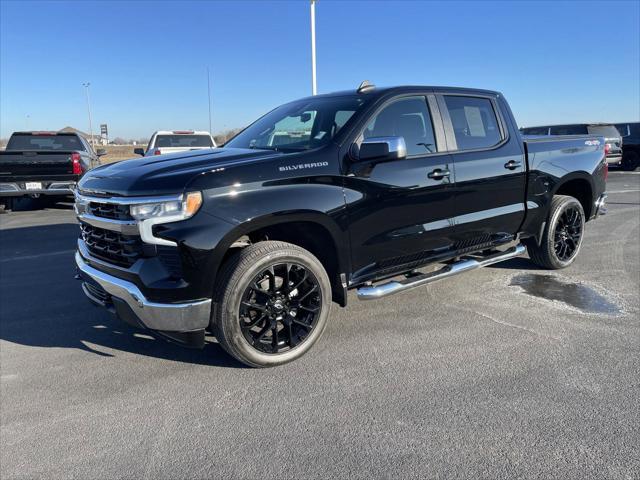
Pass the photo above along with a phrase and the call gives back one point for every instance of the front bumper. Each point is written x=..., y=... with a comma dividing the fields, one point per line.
x=182, y=322
x=13, y=189
x=614, y=159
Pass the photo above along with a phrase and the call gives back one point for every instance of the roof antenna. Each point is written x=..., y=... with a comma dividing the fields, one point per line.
x=365, y=86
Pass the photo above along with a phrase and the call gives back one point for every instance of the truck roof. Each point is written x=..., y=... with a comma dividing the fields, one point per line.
x=43, y=132
x=181, y=132
x=408, y=89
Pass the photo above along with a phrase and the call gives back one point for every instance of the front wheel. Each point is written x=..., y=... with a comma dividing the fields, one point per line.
x=562, y=236
x=272, y=303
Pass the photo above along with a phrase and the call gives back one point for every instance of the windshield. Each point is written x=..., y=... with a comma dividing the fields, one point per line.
x=184, y=141
x=607, y=131
x=44, y=142
x=300, y=125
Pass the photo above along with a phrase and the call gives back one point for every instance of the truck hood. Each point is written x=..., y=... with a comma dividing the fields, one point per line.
x=166, y=174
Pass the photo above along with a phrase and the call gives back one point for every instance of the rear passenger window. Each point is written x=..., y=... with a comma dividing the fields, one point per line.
x=408, y=118
x=474, y=122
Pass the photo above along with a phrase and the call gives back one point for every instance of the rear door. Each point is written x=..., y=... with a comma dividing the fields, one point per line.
x=401, y=210
x=490, y=170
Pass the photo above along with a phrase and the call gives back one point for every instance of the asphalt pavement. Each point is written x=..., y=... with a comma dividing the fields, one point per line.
x=508, y=371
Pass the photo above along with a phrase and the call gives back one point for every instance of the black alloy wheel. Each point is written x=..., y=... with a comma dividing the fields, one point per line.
x=280, y=307
x=568, y=232
x=562, y=235
x=272, y=301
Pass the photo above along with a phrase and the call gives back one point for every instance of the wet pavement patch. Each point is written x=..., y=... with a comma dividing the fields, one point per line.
x=574, y=294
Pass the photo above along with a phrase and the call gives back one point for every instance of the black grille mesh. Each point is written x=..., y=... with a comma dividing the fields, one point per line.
x=108, y=210
x=122, y=250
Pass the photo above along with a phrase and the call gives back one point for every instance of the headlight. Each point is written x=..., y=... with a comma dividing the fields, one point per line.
x=171, y=211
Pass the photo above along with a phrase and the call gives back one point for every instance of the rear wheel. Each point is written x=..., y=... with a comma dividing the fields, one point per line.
x=562, y=236
x=6, y=204
x=630, y=161
x=273, y=301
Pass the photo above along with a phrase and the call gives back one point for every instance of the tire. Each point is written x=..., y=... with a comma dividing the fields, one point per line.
x=630, y=161
x=264, y=295
x=562, y=236
x=6, y=204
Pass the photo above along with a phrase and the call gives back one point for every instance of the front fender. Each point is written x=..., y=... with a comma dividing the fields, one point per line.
x=230, y=212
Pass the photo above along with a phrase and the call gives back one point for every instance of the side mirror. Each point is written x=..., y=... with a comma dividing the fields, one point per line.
x=382, y=148
x=139, y=151
x=100, y=152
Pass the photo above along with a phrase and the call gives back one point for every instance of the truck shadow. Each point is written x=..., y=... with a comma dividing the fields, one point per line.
x=42, y=305
x=28, y=204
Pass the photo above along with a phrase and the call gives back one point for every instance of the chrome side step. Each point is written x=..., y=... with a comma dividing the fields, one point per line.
x=371, y=292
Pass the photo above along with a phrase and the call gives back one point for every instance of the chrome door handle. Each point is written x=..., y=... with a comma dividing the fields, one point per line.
x=512, y=165
x=438, y=174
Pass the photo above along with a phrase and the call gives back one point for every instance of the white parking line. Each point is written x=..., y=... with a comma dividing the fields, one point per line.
x=39, y=255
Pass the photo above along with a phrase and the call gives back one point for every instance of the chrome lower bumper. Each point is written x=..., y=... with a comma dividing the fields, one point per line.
x=600, y=207
x=155, y=316
x=54, y=188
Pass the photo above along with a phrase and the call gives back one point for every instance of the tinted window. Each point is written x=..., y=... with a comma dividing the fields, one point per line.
x=474, y=122
x=44, y=142
x=607, y=131
x=408, y=118
x=623, y=129
x=185, y=141
x=535, y=131
x=300, y=125
x=569, y=130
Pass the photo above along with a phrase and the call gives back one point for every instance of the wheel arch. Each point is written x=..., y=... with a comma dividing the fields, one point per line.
x=578, y=185
x=314, y=231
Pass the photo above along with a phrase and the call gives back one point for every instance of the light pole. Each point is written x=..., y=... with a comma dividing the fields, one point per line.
x=86, y=89
x=314, y=85
x=209, y=94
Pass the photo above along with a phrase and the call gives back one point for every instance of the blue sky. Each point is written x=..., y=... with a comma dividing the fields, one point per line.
x=554, y=61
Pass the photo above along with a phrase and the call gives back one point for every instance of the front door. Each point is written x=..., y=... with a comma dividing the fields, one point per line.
x=400, y=211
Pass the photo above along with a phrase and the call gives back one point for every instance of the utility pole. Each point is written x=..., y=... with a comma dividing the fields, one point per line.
x=86, y=89
x=314, y=85
x=209, y=94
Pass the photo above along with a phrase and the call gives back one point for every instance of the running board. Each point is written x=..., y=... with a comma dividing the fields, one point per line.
x=371, y=292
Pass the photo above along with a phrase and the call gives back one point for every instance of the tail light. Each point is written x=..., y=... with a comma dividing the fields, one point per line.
x=76, y=164
x=607, y=148
x=157, y=152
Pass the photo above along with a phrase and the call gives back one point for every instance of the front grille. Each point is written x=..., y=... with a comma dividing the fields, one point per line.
x=125, y=250
x=109, y=210
x=122, y=250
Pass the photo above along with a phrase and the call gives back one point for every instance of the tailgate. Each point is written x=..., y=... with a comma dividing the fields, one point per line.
x=34, y=163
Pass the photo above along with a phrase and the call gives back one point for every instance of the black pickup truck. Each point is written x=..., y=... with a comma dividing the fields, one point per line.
x=43, y=163
x=361, y=190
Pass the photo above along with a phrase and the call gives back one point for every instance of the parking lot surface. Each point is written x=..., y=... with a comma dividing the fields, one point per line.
x=506, y=371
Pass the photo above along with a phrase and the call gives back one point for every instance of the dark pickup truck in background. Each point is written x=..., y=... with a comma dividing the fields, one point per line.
x=253, y=241
x=43, y=163
x=630, y=133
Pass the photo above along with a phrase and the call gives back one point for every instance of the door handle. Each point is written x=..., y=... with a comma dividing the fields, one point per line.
x=512, y=165
x=438, y=174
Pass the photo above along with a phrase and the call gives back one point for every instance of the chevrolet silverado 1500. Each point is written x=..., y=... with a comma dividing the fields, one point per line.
x=253, y=241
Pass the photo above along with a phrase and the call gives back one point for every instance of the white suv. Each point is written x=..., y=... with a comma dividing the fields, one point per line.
x=165, y=141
